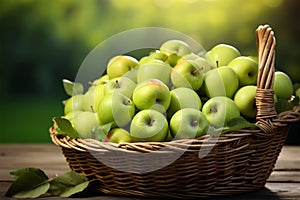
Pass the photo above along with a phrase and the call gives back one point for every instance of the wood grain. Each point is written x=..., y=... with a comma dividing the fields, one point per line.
x=284, y=182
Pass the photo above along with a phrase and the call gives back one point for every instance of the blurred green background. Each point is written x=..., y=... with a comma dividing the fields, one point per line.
x=43, y=42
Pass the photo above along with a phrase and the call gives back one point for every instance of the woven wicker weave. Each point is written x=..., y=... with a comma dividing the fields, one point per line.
x=236, y=162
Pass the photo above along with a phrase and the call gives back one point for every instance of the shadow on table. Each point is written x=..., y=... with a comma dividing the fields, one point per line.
x=261, y=194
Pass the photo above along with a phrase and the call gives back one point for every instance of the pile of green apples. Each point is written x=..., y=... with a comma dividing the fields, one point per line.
x=171, y=93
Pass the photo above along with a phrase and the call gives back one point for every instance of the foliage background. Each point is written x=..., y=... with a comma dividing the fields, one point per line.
x=44, y=41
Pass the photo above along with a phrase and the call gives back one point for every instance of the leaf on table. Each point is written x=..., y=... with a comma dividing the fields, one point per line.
x=237, y=124
x=72, y=88
x=15, y=174
x=30, y=183
x=64, y=127
x=68, y=184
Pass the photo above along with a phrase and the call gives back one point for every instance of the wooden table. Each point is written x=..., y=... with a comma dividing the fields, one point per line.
x=284, y=182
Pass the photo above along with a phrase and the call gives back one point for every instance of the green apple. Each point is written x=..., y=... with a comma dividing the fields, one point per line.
x=118, y=135
x=246, y=69
x=221, y=81
x=158, y=55
x=220, y=110
x=122, y=84
x=101, y=81
x=74, y=103
x=297, y=93
x=154, y=69
x=254, y=58
x=152, y=94
x=116, y=108
x=92, y=98
x=120, y=65
x=178, y=47
x=204, y=66
x=183, y=98
x=222, y=54
x=296, y=86
x=283, y=86
x=85, y=122
x=71, y=115
x=149, y=125
x=187, y=73
x=188, y=123
x=245, y=101
x=173, y=59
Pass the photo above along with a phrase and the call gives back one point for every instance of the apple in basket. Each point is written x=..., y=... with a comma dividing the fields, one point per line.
x=187, y=73
x=178, y=47
x=120, y=65
x=118, y=135
x=245, y=101
x=149, y=125
x=152, y=94
x=183, y=97
x=154, y=69
x=221, y=81
x=122, y=85
x=221, y=55
x=283, y=86
x=188, y=123
x=220, y=110
x=116, y=108
x=246, y=69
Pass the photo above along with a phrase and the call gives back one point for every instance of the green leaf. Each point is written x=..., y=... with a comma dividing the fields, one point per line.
x=68, y=184
x=15, y=174
x=72, y=88
x=100, y=132
x=237, y=124
x=29, y=184
x=64, y=127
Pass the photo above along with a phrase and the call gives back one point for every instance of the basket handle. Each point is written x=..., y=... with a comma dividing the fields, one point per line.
x=265, y=42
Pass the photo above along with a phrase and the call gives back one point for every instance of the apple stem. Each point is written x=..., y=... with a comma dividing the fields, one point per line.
x=217, y=63
x=91, y=83
x=214, y=109
x=127, y=102
x=196, y=70
x=117, y=84
x=151, y=122
x=194, y=123
x=92, y=108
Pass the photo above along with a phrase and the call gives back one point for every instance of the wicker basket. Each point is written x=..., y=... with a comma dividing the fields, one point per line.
x=235, y=162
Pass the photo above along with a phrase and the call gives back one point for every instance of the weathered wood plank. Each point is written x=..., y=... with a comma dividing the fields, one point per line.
x=47, y=157
x=272, y=191
x=284, y=182
x=289, y=158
